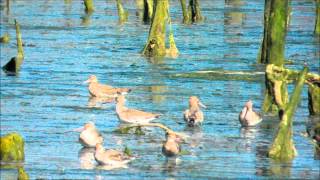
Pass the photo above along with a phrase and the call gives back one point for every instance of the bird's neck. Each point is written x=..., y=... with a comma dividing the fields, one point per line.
x=120, y=107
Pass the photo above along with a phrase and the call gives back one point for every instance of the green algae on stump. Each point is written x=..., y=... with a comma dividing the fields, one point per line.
x=283, y=148
x=147, y=10
x=317, y=23
x=89, y=7
x=5, y=38
x=314, y=99
x=123, y=14
x=156, y=45
x=13, y=66
x=22, y=175
x=12, y=148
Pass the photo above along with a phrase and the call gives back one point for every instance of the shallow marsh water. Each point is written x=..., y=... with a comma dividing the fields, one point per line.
x=62, y=48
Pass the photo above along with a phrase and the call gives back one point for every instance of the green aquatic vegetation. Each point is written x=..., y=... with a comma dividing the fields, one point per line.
x=12, y=148
x=5, y=38
x=223, y=75
x=127, y=151
x=283, y=148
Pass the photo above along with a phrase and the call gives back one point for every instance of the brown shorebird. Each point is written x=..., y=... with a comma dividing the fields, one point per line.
x=132, y=115
x=111, y=157
x=100, y=90
x=89, y=135
x=171, y=147
x=248, y=117
x=194, y=116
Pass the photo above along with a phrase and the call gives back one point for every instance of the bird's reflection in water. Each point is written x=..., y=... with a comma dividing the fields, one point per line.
x=111, y=167
x=249, y=134
x=196, y=136
x=86, y=158
x=98, y=101
x=171, y=164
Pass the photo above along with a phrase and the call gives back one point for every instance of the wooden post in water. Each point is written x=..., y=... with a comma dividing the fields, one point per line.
x=195, y=11
x=276, y=95
x=185, y=12
x=123, y=14
x=13, y=66
x=89, y=7
x=283, y=147
x=148, y=10
x=155, y=45
x=314, y=98
x=262, y=56
x=317, y=23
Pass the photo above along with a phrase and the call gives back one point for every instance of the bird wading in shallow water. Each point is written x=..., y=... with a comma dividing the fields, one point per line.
x=89, y=135
x=132, y=115
x=171, y=147
x=194, y=116
x=100, y=90
x=248, y=117
x=111, y=157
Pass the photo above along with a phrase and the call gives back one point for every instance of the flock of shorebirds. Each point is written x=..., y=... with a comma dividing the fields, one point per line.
x=90, y=136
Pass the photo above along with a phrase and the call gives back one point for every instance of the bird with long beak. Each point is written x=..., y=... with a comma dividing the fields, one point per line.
x=248, y=117
x=194, y=116
x=100, y=90
x=89, y=136
x=111, y=157
x=132, y=115
x=171, y=147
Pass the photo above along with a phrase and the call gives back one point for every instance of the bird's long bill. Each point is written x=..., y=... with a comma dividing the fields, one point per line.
x=202, y=105
x=86, y=82
x=80, y=129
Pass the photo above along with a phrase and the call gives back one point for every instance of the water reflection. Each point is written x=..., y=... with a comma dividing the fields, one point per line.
x=86, y=19
x=234, y=20
x=249, y=134
x=98, y=101
x=171, y=164
x=196, y=136
x=86, y=158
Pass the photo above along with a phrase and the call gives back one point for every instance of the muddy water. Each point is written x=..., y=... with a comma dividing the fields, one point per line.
x=63, y=47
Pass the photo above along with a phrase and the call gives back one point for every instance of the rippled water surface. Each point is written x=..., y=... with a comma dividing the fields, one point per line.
x=63, y=47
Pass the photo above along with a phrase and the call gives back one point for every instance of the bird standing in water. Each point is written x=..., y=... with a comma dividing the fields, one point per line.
x=100, y=90
x=248, y=117
x=194, y=116
x=89, y=136
x=171, y=147
x=111, y=157
x=132, y=115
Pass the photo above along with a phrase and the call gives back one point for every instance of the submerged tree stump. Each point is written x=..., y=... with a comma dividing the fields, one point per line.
x=314, y=99
x=13, y=66
x=192, y=14
x=123, y=14
x=317, y=23
x=283, y=147
x=156, y=44
x=89, y=7
x=12, y=148
x=276, y=87
x=5, y=38
x=148, y=6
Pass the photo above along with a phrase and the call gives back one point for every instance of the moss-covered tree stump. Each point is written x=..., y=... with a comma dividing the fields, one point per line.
x=147, y=10
x=22, y=175
x=5, y=38
x=89, y=7
x=12, y=148
x=123, y=14
x=13, y=66
x=314, y=99
x=317, y=23
x=283, y=148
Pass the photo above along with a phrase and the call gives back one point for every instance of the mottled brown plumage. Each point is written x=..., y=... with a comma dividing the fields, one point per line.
x=100, y=90
x=248, y=117
x=132, y=115
x=194, y=116
x=111, y=157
